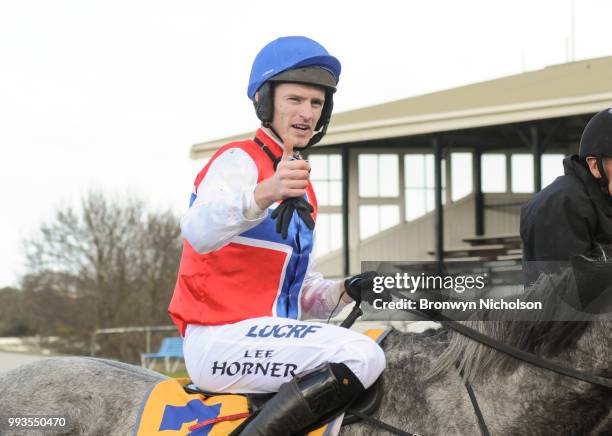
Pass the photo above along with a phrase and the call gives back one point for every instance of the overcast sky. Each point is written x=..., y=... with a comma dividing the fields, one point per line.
x=112, y=94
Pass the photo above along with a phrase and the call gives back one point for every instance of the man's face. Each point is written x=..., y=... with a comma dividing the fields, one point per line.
x=607, y=164
x=297, y=109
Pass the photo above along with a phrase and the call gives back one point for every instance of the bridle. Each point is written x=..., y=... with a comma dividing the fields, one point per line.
x=475, y=335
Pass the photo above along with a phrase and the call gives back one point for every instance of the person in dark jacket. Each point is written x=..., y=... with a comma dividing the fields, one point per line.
x=572, y=215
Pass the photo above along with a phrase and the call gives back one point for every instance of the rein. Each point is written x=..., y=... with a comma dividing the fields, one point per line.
x=510, y=350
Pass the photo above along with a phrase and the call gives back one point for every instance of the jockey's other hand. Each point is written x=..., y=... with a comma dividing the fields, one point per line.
x=361, y=288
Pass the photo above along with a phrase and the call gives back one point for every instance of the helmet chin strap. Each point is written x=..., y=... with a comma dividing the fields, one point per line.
x=268, y=125
x=316, y=137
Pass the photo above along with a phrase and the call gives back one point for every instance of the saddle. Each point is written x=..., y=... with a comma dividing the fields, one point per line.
x=367, y=403
x=178, y=405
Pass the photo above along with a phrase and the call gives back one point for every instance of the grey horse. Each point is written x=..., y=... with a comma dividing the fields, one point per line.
x=424, y=392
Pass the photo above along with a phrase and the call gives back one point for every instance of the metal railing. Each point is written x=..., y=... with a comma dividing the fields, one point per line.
x=147, y=330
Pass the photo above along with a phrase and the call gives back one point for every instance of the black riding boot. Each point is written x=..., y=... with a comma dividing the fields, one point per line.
x=306, y=400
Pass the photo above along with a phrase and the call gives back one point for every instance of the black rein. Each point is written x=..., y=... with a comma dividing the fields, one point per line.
x=510, y=350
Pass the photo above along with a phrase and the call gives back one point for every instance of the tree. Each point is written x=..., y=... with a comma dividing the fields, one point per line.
x=14, y=319
x=112, y=263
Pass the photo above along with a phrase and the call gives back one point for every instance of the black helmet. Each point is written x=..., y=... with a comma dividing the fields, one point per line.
x=596, y=141
x=597, y=136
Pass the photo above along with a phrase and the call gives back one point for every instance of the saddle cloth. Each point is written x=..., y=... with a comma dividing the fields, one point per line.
x=169, y=410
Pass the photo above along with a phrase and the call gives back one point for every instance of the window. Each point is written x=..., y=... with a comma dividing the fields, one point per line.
x=552, y=167
x=522, y=172
x=378, y=175
x=493, y=172
x=419, y=187
x=376, y=218
x=326, y=178
x=378, y=178
x=328, y=233
x=461, y=175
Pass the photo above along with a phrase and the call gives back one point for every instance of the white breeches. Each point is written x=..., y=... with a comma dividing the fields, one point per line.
x=258, y=355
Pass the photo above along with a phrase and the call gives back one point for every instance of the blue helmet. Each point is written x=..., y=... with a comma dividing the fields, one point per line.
x=294, y=59
x=288, y=53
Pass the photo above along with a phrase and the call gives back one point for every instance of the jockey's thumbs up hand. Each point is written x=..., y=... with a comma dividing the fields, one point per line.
x=289, y=180
x=287, y=152
x=292, y=174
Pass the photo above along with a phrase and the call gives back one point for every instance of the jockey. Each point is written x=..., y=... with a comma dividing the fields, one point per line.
x=572, y=215
x=246, y=282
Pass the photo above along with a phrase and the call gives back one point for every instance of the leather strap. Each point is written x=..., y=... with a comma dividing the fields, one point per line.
x=377, y=423
x=484, y=430
x=275, y=160
x=510, y=350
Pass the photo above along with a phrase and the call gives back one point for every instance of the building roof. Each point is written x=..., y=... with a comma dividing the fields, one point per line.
x=560, y=90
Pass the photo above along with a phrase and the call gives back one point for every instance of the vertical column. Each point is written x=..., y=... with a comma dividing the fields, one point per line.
x=477, y=188
x=148, y=341
x=439, y=212
x=537, y=159
x=346, y=249
x=353, y=201
x=402, y=187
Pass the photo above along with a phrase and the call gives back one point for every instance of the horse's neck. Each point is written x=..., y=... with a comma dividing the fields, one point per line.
x=522, y=402
x=532, y=397
x=415, y=403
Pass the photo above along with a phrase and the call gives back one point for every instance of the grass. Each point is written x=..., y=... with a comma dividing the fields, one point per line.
x=181, y=373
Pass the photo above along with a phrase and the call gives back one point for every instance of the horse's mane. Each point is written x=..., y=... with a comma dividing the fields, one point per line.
x=540, y=336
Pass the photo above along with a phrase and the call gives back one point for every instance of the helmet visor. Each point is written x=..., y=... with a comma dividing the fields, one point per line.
x=308, y=75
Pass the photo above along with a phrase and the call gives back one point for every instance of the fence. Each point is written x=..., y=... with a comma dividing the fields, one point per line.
x=147, y=330
x=359, y=326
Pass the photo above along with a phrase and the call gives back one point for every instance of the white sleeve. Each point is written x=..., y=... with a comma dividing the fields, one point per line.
x=320, y=296
x=225, y=202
